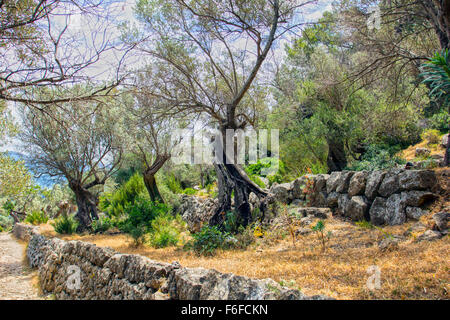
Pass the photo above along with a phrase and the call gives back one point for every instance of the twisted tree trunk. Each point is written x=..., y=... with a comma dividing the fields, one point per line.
x=150, y=179
x=87, y=207
x=231, y=177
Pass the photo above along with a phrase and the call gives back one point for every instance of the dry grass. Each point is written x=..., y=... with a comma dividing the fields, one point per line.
x=409, y=153
x=412, y=271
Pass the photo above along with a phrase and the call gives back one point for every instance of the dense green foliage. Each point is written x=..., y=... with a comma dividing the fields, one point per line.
x=37, y=217
x=65, y=224
x=208, y=240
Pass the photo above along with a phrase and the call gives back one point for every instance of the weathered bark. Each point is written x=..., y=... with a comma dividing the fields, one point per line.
x=337, y=159
x=150, y=179
x=230, y=177
x=86, y=203
x=87, y=207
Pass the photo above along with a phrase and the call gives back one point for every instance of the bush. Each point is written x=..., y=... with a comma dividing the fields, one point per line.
x=36, y=218
x=65, y=224
x=377, y=157
x=1, y=229
x=114, y=203
x=440, y=121
x=140, y=216
x=164, y=232
x=190, y=191
x=431, y=136
x=208, y=240
x=101, y=225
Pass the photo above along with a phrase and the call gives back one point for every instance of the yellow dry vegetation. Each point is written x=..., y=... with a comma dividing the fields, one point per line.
x=413, y=270
x=409, y=153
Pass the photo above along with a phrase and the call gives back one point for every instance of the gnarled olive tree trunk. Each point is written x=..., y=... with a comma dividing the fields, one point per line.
x=150, y=179
x=87, y=207
x=231, y=177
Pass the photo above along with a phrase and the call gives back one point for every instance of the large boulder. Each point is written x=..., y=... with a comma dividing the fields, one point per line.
x=377, y=211
x=343, y=203
x=196, y=211
x=332, y=181
x=344, y=181
x=373, y=183
x=390, y=183
x=282, y=192
x=357, y=184
x=332, y=199
x=417, y=180
x=441, y=220
x=297, y=187
x=417, y=198
x=320, y=182
x=415, y=213
x=444, y=141
x=395, y=210
x=389, y=211
x=358, y=209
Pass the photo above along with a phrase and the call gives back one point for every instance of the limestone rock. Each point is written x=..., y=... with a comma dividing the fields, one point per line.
x=357, y=184
x=441, y=220
x=395, y=210
x=344, y=181
x=417, y=198
x=332, y=199
x=414, y=213
x=417, y=180
x=343, y=203
x=373, y=183
x=332, y=181
x=429, y=235
x=444, y=141
x=358, y=209
x=282, y=192
x=390, y=183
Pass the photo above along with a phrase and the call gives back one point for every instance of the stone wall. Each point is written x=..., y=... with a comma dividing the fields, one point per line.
x=108, y=275
x=382, y=197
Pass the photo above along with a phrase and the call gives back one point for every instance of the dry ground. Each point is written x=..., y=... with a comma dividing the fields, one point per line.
x=17, y=282
x=412, y=271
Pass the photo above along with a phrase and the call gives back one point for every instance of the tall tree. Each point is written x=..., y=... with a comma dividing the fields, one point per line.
x=206, y=55
x=82, y=145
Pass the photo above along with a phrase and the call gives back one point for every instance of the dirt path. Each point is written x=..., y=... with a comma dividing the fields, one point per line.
x=16, y=280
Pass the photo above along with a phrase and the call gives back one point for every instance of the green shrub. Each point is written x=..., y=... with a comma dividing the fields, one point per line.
x=257, y=180
x=378, y=157
x=364, y=224
x=139, y=217
x=1, y=229
x=440, y=121
x=36, y=218
x=208, y=240
x=165, y=231
x=65, y=224
x=190, y=191
x=101, y=225
x=431, y=136
x=137, y=233
x=113, y=204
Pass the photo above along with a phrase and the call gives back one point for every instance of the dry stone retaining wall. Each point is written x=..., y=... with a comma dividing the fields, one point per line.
x=382, y=197
x=108, y=275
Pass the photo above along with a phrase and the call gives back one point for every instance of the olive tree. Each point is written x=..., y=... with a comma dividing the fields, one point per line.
x=81, y=143
x=206, y=55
